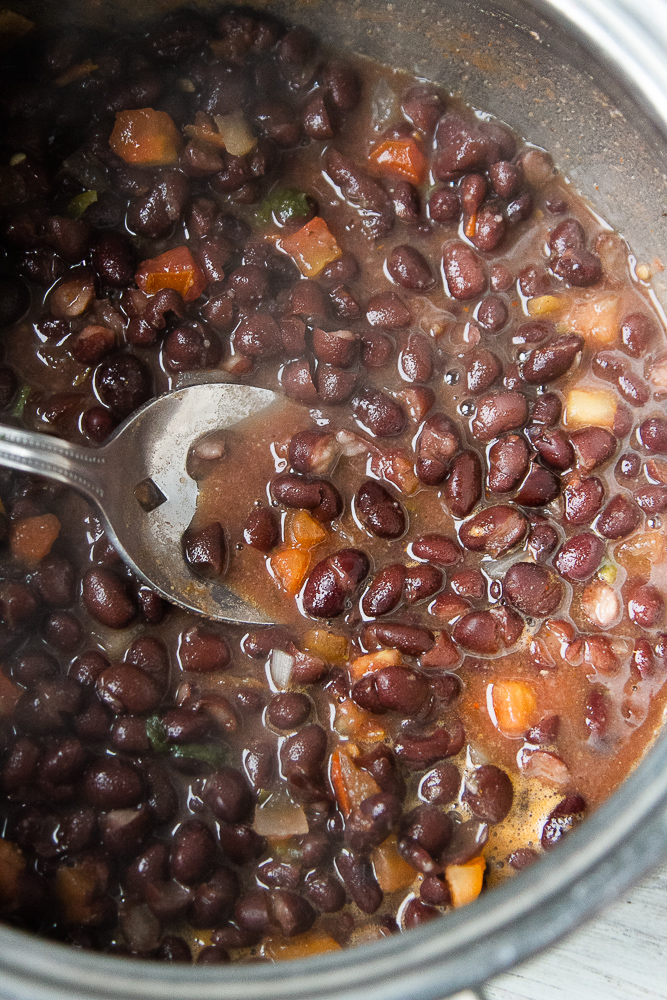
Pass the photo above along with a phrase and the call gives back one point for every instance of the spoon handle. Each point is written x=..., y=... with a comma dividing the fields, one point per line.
x=49, y=456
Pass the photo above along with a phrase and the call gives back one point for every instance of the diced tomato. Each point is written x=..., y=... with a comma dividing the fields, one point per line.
x=290, y=566
x=374, y=661
x=391, y=870
x=354, y=722
x=329, y=645
x=9, y=695
x=312, y=247
x=400, y=156
x=12, y=864
x=175, y=269
x=145, y=136
x=31, y=538
x=304, y=531
x=301, y=946
x=350, y=783
x=465, y=881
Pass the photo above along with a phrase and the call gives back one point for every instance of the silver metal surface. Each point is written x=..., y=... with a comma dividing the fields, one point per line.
x=151, y=445
x=585, y=79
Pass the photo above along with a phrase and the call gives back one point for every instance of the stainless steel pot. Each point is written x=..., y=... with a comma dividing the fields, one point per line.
x=586, y=79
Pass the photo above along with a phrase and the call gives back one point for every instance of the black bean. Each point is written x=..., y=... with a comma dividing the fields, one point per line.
x=125, y=688
x=421, y=583
x=214, y=899
x=106, y=598
x=342, y=83
x=464, y=271
x=378, y=511
x=330, y=582
x=113, y=259
x=205, y=549
x=488, y=632
x=371, y=822
x=112, y=784
x=579, y=557
x=567, y=814
x=357, y=874
x=468, y=841
x=324, y=891
x=552, y=446
x=494, y=531
x=444, y=205
x=385, y=591
x=338, y=347
x=539, y=488
x=193, y=852
x=420, y=752
x=203, y=651
x=261, y=529
x=646, y=606
x=441, y=785
x=619, y=518
x=362, y=191
x=288, y=710
x=123, y=384
x=381, y=415
x=499, y=412
x=546, y=364
x=386, y=310
x=409, y=268
x=508, y=463
x=637, y=332
x=415, y=362
x=463, y=488
x=583, y=498
x=316, y=495
x=437, y=445
x=463, y=145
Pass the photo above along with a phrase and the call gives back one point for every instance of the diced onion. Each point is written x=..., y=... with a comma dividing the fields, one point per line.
x=281, y=668
x=282, y=820
x=237, y=136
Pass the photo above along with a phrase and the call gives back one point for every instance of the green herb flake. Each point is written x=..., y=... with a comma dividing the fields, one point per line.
x=607, y=572
x=80, y=202
x=157, y=734
x=206, y=753
x=22, y=398
x=283, y=205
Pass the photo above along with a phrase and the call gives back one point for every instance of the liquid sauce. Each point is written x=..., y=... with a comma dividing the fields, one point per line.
x=453, y=514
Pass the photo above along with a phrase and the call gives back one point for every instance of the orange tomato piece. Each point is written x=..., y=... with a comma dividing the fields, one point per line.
x=391, y=870
x=328, y=645
x=354, y=722
x=514, y=705
x=76, y=888
x=31, y=538
x=374, y=661
x=301, y=946
x=312, y=247
x=289, y=566
x=175, y=269
x=145, y=136
x=400, y=156
x=9, y=695
x=12, y=864
x=304, y=531
x=465, y=881
x=350, y=783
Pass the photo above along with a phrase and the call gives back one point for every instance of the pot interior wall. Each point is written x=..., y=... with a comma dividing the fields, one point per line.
x=513, y=60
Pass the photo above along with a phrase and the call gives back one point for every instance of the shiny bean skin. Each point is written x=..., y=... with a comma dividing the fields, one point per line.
x=378, y=511
x=332, y=580
x=489, y=794
x=385, y=591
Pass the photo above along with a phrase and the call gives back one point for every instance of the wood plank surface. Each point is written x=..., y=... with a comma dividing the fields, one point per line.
x=621, y=955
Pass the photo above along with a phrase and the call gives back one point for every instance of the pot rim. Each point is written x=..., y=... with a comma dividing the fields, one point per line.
x=611, y=851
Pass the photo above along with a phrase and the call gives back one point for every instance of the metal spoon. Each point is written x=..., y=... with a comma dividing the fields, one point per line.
x=139, y=484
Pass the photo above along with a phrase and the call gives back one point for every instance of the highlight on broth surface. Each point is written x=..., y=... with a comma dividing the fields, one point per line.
x=454, y=513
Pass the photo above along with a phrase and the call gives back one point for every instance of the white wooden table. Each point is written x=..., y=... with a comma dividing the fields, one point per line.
x=621, y=955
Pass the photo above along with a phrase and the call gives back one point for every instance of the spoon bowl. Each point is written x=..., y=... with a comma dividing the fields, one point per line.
x=139, y=482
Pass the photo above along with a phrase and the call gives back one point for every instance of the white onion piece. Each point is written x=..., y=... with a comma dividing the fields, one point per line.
x=352, y=444
x=284, y=819
x=237, y=136
x=140, y=928
x=281, y=668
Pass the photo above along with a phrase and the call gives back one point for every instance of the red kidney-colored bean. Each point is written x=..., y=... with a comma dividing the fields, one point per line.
x=499, y=412
x=203, y=651
x=488, y=632
x=437, y=444
x=508, y=463
x=410, y=640
x=539, y=488
x=106, y=598
x=583, y=498
x=567, y=814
